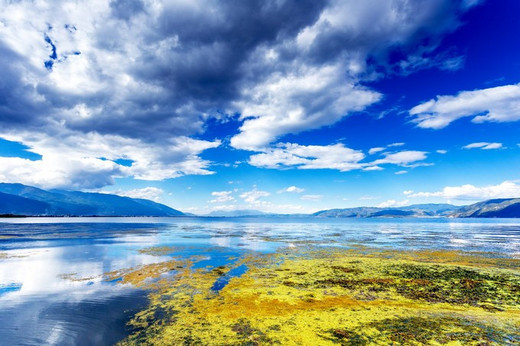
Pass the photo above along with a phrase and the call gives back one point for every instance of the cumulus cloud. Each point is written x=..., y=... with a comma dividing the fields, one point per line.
x=307, y=98
x=253, y=197
x=393, y=203
x=314, y=78
x=290, y=155
x=222, y=197
x=483, y=145
x=375, y=150
x=151, y=193
x=311, y=198
x=506, y=189
x=76, y=160
x=499, y=104
x=403, y=158
x=147, y=74
x=334, y=156
x=293, y=189
x=441, y=151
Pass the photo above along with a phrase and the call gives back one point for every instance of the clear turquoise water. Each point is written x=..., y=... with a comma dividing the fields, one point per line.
x=38, y=305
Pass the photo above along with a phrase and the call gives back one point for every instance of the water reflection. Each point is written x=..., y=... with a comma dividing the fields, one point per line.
x=52, y=288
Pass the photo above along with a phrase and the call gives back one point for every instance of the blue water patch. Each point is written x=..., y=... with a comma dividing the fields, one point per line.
x=116, y=280
x=11, y=287
x=222, y=281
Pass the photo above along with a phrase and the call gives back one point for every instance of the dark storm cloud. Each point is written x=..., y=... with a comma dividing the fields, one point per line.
x=125, y=9
x=18, y=100
x=195, y=53
x=188, y=60
x=151, y=73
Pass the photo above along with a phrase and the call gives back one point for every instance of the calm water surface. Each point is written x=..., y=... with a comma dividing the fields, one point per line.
x=39, y=304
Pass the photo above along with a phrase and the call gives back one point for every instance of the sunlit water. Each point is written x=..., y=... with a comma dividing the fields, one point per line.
x=39, y=304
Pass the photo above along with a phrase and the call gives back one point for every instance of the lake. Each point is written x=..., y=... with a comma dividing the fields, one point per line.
x=54, y=288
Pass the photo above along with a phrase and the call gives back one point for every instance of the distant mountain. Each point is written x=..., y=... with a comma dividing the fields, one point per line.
x=18, y=199
x=348, y=212
x=416, y=210
x=431, y=208
x=236, y=213
x=507, y=208
x=27, y=200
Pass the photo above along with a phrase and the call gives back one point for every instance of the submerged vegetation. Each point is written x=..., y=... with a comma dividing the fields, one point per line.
x=333, y=296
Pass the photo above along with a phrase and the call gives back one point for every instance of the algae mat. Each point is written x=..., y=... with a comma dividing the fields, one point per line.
x=333, y=296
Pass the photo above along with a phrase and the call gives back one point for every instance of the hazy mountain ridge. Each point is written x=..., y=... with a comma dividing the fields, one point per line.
x=416, y=210
x=506, y=208
x=31, y=201
x=26, y=200
x=235, y=213
x=494, y=208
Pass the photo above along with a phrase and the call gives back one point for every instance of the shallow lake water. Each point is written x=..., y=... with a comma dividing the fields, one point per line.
x=52, y=284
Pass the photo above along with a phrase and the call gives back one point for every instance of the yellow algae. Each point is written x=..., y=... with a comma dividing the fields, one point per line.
x=141, y=275
x=158, y=250
x=335, y=296
x=75, y=278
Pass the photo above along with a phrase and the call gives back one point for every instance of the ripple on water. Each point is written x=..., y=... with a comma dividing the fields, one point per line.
x=54, y=320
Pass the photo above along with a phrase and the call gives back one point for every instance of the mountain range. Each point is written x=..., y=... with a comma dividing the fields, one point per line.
x=416, y=210
x=509, y=207
x=18, y=199
x=21, y=199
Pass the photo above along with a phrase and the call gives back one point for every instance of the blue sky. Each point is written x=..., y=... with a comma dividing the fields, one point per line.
x=281, y=106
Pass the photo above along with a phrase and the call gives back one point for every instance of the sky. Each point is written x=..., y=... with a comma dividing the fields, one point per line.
x=287, y=106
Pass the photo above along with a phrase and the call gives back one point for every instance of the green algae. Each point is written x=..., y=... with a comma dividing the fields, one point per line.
x=159, y=250
x=335, y=296
x=426, y=331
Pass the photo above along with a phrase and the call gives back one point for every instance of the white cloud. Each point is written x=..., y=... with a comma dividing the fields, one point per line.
x=307, y=98
x=222, y=196
x=335, y=156
x=311, y=197
x=500, y=104
x=379, y=149
x=85, y=161
x=402, y=158
x=151, y=193
x=133, y=80
x=401, y=172
x=373, y=168
x=441, y=151
x=297, y=96
x=253, y=197
x=55, y=171
x=293, y=189
x=373, y=151
x=483, y=145
x=506, y=189
x=393, y=203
